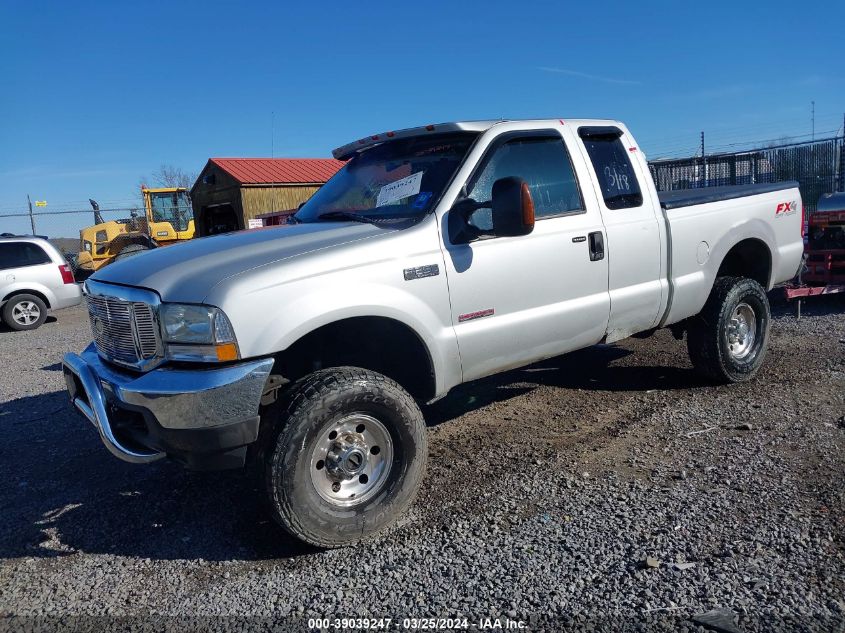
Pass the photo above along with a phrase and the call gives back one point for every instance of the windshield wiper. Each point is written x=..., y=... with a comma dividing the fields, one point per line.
x=345, y=215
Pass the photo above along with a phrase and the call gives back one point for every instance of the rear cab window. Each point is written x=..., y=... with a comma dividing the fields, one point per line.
x=617, y=180
x=20, y=254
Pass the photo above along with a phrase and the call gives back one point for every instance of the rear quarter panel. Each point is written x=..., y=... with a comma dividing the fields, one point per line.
x=42, y=279
x=700, y=236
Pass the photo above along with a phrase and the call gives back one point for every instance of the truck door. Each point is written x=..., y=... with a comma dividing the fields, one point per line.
x=515, y=300
x=633, y=246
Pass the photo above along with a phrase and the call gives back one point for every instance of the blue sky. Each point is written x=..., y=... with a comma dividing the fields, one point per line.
x=98, y=94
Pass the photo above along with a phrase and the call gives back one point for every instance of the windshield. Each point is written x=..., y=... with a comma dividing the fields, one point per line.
x=395, y=180
x=173, y=207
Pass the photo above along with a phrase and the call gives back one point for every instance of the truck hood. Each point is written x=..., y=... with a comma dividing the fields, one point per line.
x=188, y=271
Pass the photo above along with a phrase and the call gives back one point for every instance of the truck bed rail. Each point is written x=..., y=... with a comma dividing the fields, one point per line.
x=688, y=197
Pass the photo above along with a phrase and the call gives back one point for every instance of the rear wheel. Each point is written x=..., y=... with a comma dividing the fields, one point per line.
x=130, y=250
x=24, y=312
x=727, y=340
x=347, y=458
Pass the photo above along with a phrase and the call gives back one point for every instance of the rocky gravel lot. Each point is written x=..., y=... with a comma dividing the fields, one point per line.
x=610, y=489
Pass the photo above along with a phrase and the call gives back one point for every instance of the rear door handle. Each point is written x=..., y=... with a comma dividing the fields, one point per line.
x=596, y=240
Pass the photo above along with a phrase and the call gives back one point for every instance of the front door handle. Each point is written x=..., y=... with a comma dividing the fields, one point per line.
x=596, y=240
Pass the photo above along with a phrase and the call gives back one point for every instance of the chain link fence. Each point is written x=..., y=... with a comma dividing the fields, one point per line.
x=62, y=227
x=818, y=166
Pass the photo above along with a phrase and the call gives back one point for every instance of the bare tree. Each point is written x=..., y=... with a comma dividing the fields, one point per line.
x=166, y=176
x=172, y=176
x=783, y=140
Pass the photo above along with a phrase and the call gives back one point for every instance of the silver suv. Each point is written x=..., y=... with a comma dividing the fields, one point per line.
x=34, y=278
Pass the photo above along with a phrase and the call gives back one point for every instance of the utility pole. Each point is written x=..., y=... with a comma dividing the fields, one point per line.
x=703, y=159
x=842, y=158
x=813, y=118
x=31, y=217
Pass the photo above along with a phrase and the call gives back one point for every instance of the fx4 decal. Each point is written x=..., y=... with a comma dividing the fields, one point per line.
x=786, y=208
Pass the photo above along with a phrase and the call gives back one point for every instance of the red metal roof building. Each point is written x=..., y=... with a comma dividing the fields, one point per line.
x=255, y=171
x=230, y=192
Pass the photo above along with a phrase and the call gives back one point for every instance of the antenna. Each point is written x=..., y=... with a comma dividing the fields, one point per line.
x=273, y=187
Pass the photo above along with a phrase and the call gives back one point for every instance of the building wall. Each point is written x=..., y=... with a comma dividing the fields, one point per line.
x=257, y=199
x=225, y=190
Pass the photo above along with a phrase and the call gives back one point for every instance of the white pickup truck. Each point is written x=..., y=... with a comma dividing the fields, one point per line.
x=436, y=256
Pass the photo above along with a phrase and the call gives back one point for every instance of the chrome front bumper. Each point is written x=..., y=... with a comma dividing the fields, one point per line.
x=194, y=401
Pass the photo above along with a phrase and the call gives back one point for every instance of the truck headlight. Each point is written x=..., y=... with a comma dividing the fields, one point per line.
x=197, y=333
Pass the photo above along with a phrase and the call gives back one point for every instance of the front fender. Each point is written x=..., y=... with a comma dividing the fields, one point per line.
x=267, y=323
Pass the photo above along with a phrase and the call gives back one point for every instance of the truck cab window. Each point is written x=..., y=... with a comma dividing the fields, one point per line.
x=619, y=185
x=543, y=163
x=173, y=207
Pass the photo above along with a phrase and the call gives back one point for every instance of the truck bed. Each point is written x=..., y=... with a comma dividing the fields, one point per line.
x=688, y=197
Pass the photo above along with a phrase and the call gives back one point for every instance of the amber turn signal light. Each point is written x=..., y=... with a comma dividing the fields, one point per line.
x=226, y=351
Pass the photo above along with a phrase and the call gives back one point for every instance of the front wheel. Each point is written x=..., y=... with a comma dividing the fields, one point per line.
x=727, y=341
x=347, y=458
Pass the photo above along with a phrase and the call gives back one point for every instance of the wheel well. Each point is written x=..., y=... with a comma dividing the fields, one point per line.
x=749, y=258
x=27, y=292
x=376, y=343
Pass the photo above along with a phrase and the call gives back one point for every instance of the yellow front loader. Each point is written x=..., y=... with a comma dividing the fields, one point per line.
x=168, y=218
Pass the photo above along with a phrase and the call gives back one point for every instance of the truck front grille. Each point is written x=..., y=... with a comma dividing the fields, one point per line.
x=125, y=332
x=145, y=325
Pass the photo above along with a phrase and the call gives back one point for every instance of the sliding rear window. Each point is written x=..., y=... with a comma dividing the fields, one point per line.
x=619, y=185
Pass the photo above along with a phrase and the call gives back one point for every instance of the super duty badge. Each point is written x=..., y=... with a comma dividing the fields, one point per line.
x=432, y=270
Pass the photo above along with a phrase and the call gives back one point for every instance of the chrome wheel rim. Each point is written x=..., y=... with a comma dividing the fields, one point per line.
x=742, y=331
x=26, y=313
x=351, y=460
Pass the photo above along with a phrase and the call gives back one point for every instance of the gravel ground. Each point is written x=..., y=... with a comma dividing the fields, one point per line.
x=608, y=489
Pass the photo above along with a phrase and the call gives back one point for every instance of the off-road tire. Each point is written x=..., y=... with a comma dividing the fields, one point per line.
x=130, y=250
x=9, y=309
x=707, y=338
x=310, y=405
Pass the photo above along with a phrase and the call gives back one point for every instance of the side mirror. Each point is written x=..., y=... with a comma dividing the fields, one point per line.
x=512, y=213
x=513, y=208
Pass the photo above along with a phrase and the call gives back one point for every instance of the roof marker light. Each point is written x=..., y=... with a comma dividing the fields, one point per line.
x=375, y=138
x=361, y=141
x=391, y=134
x=430, y=128
x=632, y=149
x=561, y=122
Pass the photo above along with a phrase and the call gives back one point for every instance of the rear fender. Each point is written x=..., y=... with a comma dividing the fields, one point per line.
x=28, y=288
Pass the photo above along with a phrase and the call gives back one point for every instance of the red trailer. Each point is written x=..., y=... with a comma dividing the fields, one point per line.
x=275, y=218
x=824, y=251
